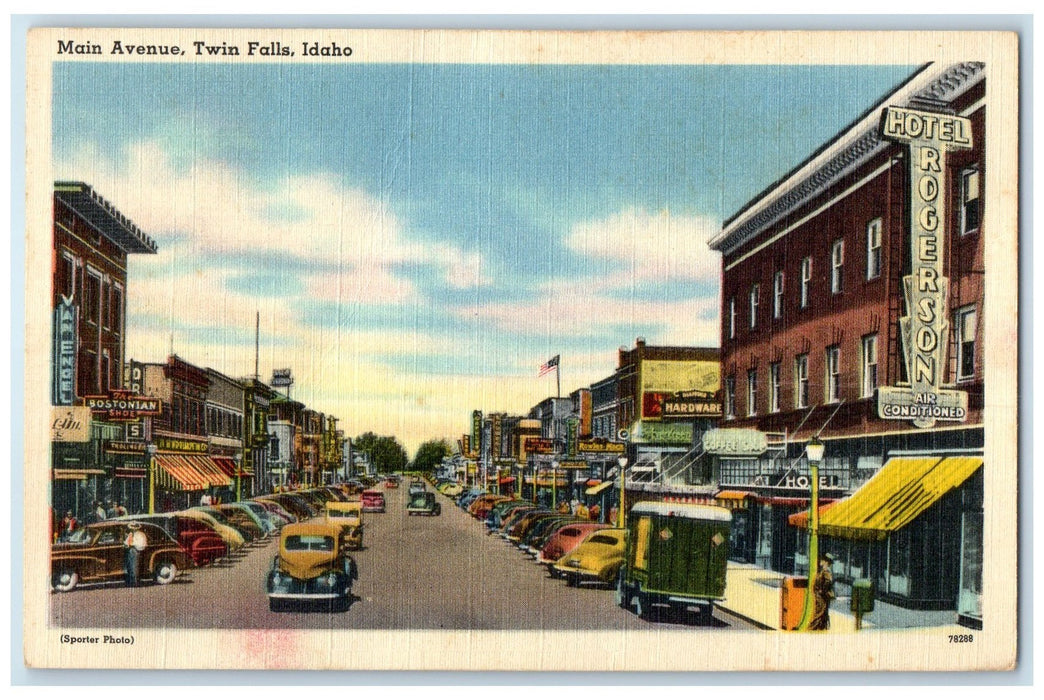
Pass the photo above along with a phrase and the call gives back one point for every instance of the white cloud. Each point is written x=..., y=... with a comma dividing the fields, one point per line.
x=654, y=245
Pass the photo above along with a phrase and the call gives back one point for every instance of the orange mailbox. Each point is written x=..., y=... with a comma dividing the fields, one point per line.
x=793, y=601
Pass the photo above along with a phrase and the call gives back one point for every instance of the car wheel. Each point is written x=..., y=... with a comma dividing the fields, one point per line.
x=706, y=615
x=572, y=580
x=165, y=572
x=65, y=580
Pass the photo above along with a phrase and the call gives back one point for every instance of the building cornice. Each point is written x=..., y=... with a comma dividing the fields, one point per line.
x=934, y=87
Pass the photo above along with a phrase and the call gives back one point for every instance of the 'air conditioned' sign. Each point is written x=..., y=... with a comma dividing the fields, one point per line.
x=929, y=137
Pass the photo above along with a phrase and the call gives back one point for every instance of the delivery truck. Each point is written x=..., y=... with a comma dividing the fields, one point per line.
x=677, y=556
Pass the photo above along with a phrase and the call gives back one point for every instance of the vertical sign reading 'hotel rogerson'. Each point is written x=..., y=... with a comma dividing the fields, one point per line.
x=924, y=329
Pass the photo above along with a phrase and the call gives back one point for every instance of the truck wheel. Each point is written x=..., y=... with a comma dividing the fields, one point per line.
x=65, y=580
x=165, y=572
x=623, y=593
x=642, y=607
x=706, y=615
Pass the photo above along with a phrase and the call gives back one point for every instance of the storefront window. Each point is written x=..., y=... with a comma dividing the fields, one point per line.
x=899, y=563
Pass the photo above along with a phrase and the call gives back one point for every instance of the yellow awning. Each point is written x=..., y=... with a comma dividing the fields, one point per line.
x=903, y=489
x=598, y=488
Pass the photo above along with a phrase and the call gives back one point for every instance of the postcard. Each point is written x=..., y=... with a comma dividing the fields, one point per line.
x=521, y=350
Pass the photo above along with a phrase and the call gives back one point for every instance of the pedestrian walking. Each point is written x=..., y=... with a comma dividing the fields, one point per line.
x=133, y=545
x=823, y=592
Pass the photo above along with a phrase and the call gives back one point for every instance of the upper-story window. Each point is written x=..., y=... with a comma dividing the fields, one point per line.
x=774, y=387
x=801, y=381
x=777, y=294
x=732, y=317
x=833, y=374
x=873, y=249
x=116, y=309
x=92, y=295
x=752, y=392
x=964, y=332
x=837, y=263
x=730, y=397
x=806, y=281
x=755, y=298
x=971, y=209
x=67, y=286
x=869, y=365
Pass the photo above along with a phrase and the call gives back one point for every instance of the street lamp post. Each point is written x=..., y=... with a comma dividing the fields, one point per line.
x=622, y=461
x=150, y=450
x=237, y=458
x=814, y=450
x=554, y=485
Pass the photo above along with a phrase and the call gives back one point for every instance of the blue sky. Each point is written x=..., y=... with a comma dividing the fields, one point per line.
x=419, y=238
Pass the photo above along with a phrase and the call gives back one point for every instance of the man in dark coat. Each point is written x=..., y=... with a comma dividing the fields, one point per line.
x=823, y=592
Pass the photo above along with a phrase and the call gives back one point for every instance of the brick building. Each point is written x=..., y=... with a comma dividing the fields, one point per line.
x=851, y=296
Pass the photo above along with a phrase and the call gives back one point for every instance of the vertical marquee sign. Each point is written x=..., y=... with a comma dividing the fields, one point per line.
x=63, y=358
x=929, y=137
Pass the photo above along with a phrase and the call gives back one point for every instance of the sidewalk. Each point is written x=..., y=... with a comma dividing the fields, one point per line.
x=755, y=594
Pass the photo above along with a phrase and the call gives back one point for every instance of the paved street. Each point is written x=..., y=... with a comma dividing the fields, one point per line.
x=415, y=573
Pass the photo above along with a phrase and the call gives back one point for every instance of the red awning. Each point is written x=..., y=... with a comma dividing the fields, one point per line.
x=782, y=501
x=228, y=465
x=801, y=519
x=593, y=482
x=507, y=480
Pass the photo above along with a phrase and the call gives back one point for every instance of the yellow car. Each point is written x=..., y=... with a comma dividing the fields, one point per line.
x=312, y=567
x=348, y=515
x=598, y=558
x=232, y=537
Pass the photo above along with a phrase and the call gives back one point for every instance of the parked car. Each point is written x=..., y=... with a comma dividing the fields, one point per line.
x=451, y=489
x=348, y=515
x=256, y=514
x=565, y=540
x=236, y=518
x=598, y=558
x=200, y=540
x=417, y=487
x=391, y=483
x=372, y=501
x=677, y=555
x=232, y=537
x=96, y=554
x=423, y=503
x=312, y=567
x=534, y=539
x=284, y=516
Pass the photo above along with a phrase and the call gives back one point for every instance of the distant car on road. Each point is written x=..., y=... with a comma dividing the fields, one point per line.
x=95, y=554
x=312, y=567
x=417, y=487
x=423, y=503
x=372, y=501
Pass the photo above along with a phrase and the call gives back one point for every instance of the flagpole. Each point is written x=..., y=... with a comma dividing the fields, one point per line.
x=558, y=377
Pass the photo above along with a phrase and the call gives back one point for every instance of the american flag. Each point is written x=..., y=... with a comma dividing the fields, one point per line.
x=548, y=366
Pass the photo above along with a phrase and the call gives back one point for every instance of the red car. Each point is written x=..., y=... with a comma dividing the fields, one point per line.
x=372, y=501
x=566, y=540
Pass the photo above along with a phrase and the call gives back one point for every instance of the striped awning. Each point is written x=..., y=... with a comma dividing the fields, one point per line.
x=177, y=473
x=189, y=472
x=228, y=466
x=904, y=488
